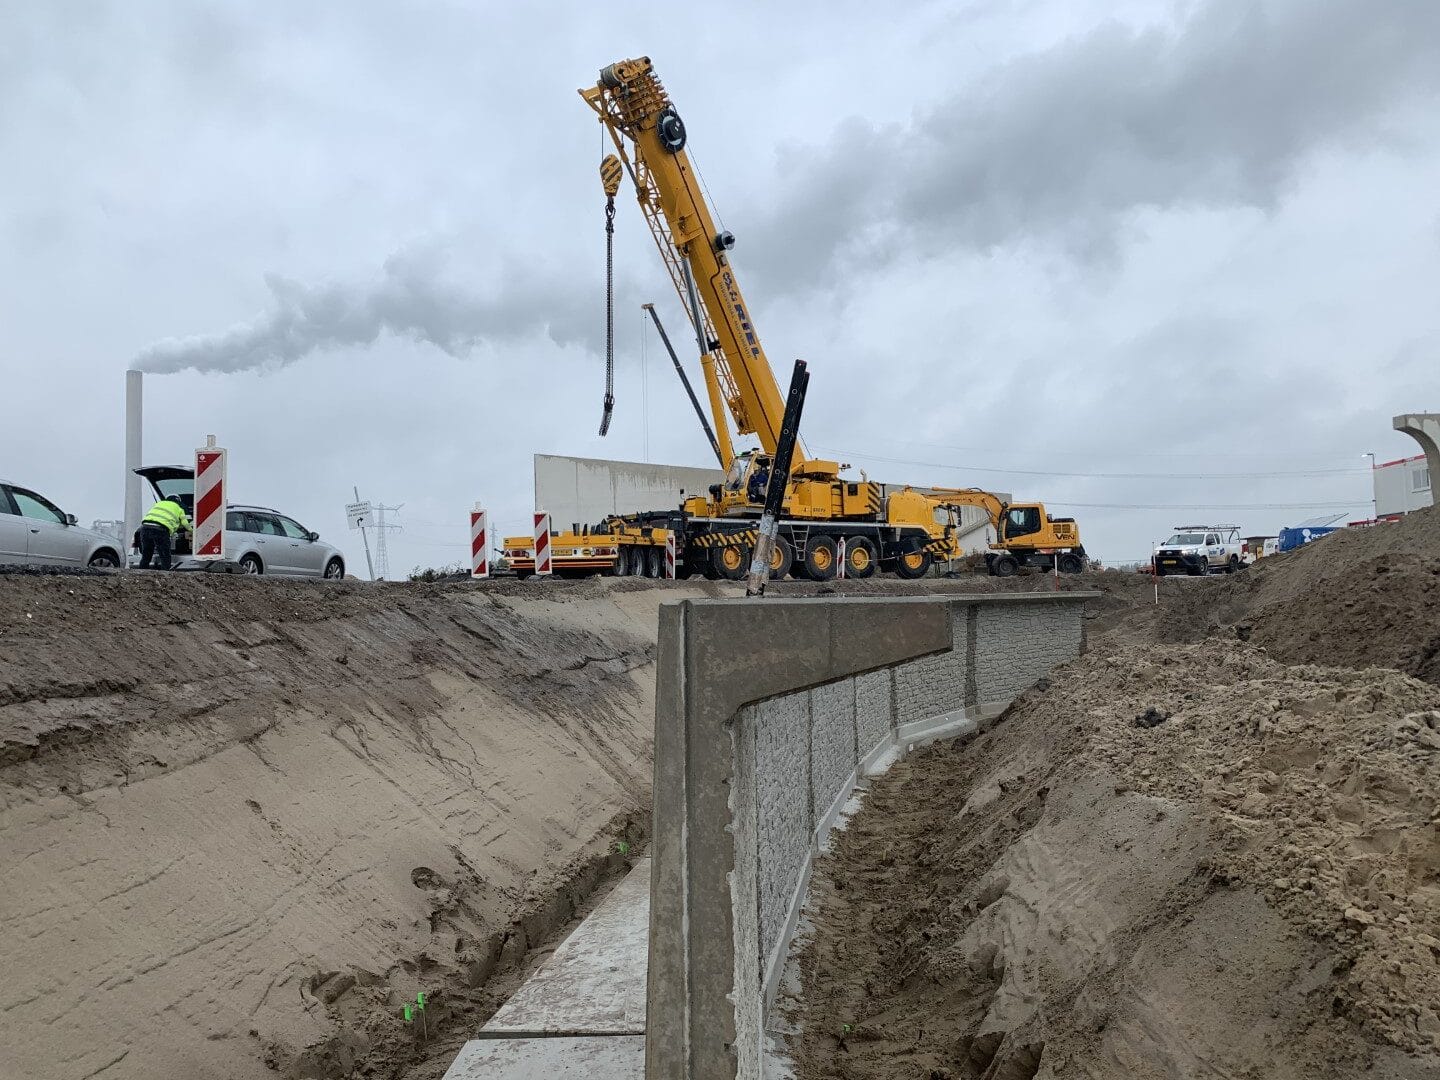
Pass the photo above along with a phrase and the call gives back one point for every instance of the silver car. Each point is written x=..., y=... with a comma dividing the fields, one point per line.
x=36, y=532
x=258, y=540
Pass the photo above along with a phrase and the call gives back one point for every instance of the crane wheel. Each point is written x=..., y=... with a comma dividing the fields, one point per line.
x=860, y=557
x=730, y=563
x=1004, y=565
x=654, y=562
x=1071, y=563
x=782, y=558
x=914, y=561
x=821, y=562
x=622, y=562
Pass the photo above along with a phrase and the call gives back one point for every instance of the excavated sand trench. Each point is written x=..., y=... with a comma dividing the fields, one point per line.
x=241, y=822
x=1208, y=848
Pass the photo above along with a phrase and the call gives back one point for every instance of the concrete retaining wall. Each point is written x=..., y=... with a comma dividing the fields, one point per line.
x=768, y=714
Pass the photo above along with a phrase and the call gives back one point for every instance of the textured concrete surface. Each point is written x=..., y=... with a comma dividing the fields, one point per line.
x=874, y=714
x=615, y=1057
x=1015, y=645
x=594, y=983
x=780, y=730
x=702, y=681
x=832, y=743
x=754, y=749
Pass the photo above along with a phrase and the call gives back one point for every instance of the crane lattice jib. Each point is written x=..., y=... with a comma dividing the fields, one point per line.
x=650, y=139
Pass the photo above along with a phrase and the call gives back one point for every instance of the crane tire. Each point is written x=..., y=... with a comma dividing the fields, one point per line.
x=914, y=561
x=731, y=563
x=860, y=557
x=821, y=562
x=655, y=562
x=1004, y=565
x=782, y=559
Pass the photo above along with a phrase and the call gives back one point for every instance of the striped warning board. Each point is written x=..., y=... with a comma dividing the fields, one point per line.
x=479, y=545
x=542, y=543
x=670, y=556
x=840, y=558
x=209, y=540
x=745, y=537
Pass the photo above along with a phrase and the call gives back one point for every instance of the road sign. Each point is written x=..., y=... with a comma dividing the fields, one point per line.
x=479, y=553
x=209, y=534
x=543, y=567
x=358, y=514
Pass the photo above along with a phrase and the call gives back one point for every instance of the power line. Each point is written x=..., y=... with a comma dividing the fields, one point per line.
x=1093, y=475
x=1205, y=506
x=1129, y=453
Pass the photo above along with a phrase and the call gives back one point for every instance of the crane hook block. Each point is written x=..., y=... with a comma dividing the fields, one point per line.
x=611, y=174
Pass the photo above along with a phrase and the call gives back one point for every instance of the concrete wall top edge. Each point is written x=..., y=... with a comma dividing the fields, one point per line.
x=751, y=602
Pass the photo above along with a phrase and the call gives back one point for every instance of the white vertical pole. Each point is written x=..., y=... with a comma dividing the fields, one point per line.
x=134, y=454
x=479, y=541
x=840, y=555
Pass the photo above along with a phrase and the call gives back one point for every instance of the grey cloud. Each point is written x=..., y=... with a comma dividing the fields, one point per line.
x=412, y=300
x=1061, y=145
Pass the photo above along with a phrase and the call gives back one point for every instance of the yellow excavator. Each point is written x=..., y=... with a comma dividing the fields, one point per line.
x=1025, y=535
x=824, y=513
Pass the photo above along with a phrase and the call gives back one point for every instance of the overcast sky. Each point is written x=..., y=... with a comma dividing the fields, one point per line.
x=1116, y=256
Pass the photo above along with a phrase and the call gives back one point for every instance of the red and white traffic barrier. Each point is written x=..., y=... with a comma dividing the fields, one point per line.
x=479, y=544
x=542, y=543
x=209, y=536
x=670, y=557
x=840, y=555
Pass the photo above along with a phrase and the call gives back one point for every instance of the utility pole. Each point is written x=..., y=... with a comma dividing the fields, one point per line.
x=1374, y=495
x=382, y=550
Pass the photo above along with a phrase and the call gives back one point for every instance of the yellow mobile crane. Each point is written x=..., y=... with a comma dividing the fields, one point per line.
x=902, y=530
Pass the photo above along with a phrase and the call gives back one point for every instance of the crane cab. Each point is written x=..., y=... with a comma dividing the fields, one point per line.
x=742, y=491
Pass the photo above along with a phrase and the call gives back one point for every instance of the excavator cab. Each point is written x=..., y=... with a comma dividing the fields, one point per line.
x=1022, y=521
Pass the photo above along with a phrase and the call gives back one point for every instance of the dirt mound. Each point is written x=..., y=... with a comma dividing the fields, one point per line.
x=1357, y=597
x=242, y=821
x=1171, y=861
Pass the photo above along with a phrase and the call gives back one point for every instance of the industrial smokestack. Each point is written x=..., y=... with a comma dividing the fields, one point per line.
x=134, y=410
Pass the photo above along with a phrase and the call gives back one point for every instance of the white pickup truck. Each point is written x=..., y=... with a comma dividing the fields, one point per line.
x=1200, y=549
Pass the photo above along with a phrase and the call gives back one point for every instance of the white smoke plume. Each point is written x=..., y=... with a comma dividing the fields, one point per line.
x=409, y=301
x=1223, y=110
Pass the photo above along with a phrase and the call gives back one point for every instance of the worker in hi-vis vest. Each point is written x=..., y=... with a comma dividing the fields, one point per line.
x=157, y=532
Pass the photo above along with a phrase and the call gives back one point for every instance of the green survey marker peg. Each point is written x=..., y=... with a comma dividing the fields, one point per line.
x=622, y=846
x=420, y=1000
x=409, y=1016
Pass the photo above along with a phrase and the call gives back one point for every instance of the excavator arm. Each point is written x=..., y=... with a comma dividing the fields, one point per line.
x=649, y=138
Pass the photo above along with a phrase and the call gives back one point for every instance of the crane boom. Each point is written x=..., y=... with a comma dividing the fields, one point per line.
x=649, y=136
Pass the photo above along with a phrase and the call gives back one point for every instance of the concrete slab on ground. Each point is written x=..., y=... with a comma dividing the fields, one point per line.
x=594, y=983
x=606, y=1057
